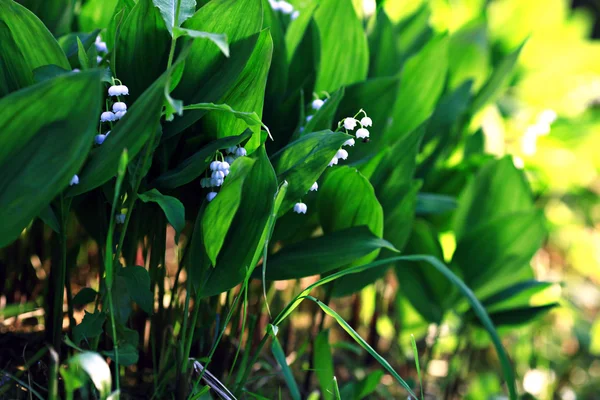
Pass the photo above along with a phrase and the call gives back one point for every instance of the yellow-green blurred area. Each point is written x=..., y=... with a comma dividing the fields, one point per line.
x=549, y=121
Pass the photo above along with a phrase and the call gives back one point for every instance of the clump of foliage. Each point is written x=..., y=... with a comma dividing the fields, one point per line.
x=171, y=163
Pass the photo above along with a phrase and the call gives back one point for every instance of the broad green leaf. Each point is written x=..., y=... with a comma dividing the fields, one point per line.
x=468, y=56
x=220, y=39
x=516, y=317
x=69, y=45
x=297, y=28
x=213, y=74
x=57, y=15
x=383, y=51
x=94, y=366
x=82, y=56
x=375, y=97
x=491, y=256
x=497, y=81
x=344, y=52
x=246, y=95
x=49, y=217
x=175, y=12
x=219, y=214
x=128, y=355
x=302, y=162
x=517, y=294
x=25, y=44
x=367, y=386
x=288, y=376
x=323, y=118
x=193, y=166
x=142, y=48
x=236, y=258
x=323, y=254
x=432, y=203
x=248, y=117
x=137, y=281
x=347, y=199
x=172, y=207
x=323, y=364
x=425, y=288
x=84, y=296
x=119, y=16
x=132, y=132
x=96, y=14
x=48, y=72
x=421, y=83
x=47, y=132
x=90, y=327
x=498, y=190
x=278, y=72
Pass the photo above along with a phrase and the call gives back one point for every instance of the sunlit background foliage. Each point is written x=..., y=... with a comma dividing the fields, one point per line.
x=498, y=102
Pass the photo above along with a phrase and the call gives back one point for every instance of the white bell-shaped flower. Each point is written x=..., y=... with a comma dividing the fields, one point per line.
x=295, y=15
x=107, y=116
x=341, y=153
x=118, y=90
x=100, y=45
x=316, y=104
x=211, y=196
x=74, y=180
x=119, y=106
x=98, y=59
x=350, y=123
x=308, y=118
x=76, y=70
x=99, y=139
x=362, y=133
x=366, y=122
x=231, y=150
x=349, y=142
x=314, y=187
x=300, y=208
x=223, y=166
x=285, y=7
x=120, y=218
x=216, y=182
x=218, y=175
x=205, y=182
x=120, y=114
x=214, y=166
x=241, y=152
x=333, y=162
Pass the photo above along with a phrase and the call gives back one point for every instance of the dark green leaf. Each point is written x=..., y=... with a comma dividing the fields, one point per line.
x=278, y=73
x=323, y=118
x=246, y=95
x=367, y=386
x=515, y=317
x=142, y=48
x=47, y=131
x=96, y=14
x=323, y=364
x=497, y=81
x=172, y=207
x=128, y=355
x=49, y=217
x=25, y=44
x=303, y=161
x=132, y=132
x=57, y=15
x=383, y=49
x=519, y=293
x=421, y=84
x=468, y=56
x=344, y=52
x=192, y=167
x=137, y=281
x=90, y=327
x=323, y=254
x=175, y=12
x=237, y=254
x=432, y=203
x=220, y=39
x=69, y=45
x=48, y=72
x=82, y=56
x=84, y=296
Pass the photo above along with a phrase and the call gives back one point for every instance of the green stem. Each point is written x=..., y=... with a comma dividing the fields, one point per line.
x=114, y=334
x=248, y=369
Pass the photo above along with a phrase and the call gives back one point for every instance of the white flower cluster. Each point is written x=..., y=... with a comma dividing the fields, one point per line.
x=349, y=124
x=220, y=169
x=285, y=8
x=119, y=108
x=101, y=48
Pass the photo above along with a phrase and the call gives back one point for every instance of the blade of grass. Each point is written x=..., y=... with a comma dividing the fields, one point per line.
x=478, y=308
x=285, y=368
x=416, y=354
x=336, y=389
